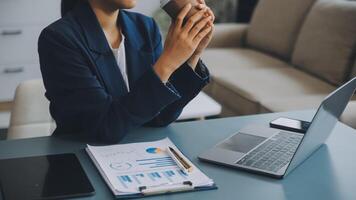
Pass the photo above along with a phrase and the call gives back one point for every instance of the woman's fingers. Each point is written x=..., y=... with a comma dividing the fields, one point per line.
x=201, y=1
x=202, y=34
x=210, y=35
x=193, y=20
x=199, y=26
x=210, y=12
x=183, y=13
x=200, y=6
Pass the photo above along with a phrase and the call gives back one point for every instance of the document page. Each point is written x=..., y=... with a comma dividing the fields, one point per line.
x=126, y=167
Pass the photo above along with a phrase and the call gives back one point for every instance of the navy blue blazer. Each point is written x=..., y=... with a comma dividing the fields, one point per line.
x=86, y=90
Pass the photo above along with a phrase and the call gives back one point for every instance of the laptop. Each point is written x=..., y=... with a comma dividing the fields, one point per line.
x=274, y=152
x=43, y=177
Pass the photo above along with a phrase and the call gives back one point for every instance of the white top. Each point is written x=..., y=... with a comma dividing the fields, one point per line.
x=120, y=56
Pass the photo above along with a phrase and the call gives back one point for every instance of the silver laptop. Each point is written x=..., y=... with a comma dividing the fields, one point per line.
x=276, y=152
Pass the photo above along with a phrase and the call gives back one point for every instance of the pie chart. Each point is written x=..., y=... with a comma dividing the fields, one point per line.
x=154, y=150
x=121, y=166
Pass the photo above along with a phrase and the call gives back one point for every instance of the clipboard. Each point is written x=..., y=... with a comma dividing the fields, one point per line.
x=138, y=170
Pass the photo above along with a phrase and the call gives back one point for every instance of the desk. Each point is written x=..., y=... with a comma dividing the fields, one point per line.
x=329, y=174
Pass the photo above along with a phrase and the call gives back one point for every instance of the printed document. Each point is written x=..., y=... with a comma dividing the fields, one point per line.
x=126, y=167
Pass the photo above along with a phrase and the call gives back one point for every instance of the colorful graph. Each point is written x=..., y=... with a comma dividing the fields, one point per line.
x=164, y=176
x=157, y=162
x=154, y=150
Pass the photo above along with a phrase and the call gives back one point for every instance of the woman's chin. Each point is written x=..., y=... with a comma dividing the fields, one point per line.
x=126, y=4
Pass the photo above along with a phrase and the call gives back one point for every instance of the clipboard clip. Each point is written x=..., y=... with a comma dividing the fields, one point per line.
x=153, y=190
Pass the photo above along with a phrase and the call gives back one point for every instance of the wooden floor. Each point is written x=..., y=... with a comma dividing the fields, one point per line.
x=5, y=106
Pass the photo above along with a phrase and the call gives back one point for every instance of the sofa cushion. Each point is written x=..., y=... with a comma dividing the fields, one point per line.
x=274, y=83
x=233, y=103
x=275, y=25
x=232, y=60
x=241, y=81
x=303, y=102
x=327, y=41
x=229, y=35
x=223, y=61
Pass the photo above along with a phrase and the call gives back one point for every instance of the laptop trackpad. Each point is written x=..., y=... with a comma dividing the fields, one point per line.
x=241, y=142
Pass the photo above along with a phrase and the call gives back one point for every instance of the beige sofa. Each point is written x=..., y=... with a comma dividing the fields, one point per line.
x=291, y=55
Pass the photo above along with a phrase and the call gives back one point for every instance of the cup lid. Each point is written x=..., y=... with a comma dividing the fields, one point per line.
x=164, y=2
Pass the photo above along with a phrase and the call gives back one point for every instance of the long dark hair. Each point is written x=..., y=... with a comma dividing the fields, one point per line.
x=68, y=5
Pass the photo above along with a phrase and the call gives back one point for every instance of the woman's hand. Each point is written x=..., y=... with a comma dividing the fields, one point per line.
x=182, y=41
x=193, y=60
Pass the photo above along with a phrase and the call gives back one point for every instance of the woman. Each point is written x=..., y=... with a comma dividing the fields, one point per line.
x=106, y=73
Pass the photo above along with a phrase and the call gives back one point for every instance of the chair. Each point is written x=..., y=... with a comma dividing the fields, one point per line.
x=30, y=115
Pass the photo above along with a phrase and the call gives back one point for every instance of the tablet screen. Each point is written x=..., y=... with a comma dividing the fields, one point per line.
x=43, y=177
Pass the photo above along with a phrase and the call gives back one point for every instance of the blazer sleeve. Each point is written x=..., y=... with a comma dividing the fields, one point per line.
x=80, y=104
x=185, y=80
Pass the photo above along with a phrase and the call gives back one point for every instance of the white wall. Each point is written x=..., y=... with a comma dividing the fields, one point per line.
x=147, y=7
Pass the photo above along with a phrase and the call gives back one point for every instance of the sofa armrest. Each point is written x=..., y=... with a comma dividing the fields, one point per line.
x=229, y=35
x=349, y=115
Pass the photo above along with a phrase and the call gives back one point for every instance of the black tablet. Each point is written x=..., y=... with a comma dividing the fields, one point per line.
x=43, y=177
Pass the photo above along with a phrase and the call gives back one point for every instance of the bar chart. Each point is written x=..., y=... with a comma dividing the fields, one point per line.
x=153, y=178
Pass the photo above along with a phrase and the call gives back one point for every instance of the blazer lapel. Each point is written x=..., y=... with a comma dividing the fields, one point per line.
x=139, y=54
x=100, y=51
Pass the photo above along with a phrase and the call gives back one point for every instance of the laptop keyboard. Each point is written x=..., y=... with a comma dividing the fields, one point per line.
x=274, y=153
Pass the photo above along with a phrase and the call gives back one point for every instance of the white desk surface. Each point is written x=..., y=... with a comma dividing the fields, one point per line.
x=200, y=107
